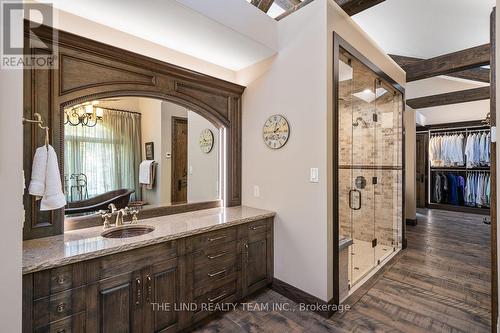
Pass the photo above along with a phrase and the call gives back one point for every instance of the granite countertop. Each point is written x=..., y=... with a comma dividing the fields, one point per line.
x=78, y=245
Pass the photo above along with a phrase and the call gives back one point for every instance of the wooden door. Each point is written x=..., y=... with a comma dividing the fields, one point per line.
x=255, y=268
x=162, y=297
x=114, y=305
x=421, y=169
x=179, y=160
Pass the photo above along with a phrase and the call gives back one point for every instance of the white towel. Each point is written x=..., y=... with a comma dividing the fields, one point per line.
x=46, y=179
x=38, y=172
x=146, y=172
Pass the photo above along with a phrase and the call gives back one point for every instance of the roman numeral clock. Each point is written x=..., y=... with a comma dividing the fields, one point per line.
x=276, y=131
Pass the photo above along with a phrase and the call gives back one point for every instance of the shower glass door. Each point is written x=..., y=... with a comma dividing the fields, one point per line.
x=356, y=172
x=369, y=167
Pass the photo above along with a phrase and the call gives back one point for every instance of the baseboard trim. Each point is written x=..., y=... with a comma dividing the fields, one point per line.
x=412, y=222
x=300, y=296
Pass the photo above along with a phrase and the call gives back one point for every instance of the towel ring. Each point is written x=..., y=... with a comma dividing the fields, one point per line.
x=38, y=120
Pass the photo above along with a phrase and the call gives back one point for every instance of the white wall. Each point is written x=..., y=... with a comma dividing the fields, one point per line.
x=476, y=110
x=203, y=169
x=83, y=27
x=11, y=178
x=410, y=164
x=295, y=86
x=151, y=131
x=298, y=84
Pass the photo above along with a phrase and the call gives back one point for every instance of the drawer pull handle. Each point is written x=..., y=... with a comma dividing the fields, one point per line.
x=258, y=227
x=218, y=298
x=149, y=287
x=61, y=307
x=216, y=238
x=138, y=292
x=216, y=255
x=61, y=279
x=217, y=273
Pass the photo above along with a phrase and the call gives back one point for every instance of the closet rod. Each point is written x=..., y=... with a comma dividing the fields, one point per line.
x=451, y=129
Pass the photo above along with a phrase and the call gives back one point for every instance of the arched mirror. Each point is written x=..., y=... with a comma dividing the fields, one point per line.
x=138, y=152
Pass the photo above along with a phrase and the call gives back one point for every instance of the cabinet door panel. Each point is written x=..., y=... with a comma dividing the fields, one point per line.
x=162, y=288
x=114, y=305
x=256, y=261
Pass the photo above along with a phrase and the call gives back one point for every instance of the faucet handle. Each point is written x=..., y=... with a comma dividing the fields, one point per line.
x=134, y=213
x=105, y=215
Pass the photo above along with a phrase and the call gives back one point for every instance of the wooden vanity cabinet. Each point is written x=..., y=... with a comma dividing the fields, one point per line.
x=257, y=256
x=148, y=289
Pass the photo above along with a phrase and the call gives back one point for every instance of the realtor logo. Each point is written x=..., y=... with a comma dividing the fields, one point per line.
x=42, y=51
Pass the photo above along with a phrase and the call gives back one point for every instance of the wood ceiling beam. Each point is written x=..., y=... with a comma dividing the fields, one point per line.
x=455, y=97
x=287, y=4
x=449, y=63
x=474, y=74
x=351, y=7
x=263, y=5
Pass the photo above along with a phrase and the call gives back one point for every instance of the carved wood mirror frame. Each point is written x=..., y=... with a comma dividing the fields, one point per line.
x=91, y=70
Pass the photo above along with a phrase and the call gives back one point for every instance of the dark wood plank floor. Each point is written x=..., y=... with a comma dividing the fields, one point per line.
x=440, y=283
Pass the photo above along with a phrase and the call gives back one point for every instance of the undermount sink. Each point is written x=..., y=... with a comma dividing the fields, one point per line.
x=128, y=231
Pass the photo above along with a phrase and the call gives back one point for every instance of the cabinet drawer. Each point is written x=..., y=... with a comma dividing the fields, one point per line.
x=217, y=295
x=213, y=238
x=257, y=227
x=215, y=255
x=58, y=279
x=73, y=324
x=58, y=306
x=129, y=261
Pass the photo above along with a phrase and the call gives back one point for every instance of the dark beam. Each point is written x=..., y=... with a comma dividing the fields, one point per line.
x=351, y=7
x=475, y=74
x=263, y=5
x=455, y=97
x=449, y=63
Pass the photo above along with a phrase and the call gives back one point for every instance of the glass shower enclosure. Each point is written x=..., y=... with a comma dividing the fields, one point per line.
x=369, y=165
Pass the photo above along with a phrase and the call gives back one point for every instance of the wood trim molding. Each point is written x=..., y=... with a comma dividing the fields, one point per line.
x=456, y=97
x=91, y=70
x=412, y=222
x=494, y=175
x=325, y=309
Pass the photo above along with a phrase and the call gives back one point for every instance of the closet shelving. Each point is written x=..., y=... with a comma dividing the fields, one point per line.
x=461, y=170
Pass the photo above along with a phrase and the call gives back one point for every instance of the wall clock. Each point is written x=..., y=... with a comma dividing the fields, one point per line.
x=276, y=131
x=206, y=141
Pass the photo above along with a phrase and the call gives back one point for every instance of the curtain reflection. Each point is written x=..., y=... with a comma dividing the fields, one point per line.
x=103, y=158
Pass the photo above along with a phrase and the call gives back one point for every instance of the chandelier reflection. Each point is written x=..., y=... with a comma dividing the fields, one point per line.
x=86, y=114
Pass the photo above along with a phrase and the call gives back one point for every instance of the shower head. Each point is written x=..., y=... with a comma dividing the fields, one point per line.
x=358, y=121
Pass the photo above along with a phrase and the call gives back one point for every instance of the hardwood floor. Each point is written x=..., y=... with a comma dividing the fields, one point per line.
x=440, y=283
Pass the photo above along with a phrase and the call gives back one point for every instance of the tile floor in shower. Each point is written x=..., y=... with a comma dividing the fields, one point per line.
x=364, y=258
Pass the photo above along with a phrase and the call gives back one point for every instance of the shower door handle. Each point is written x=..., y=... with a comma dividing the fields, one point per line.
x=358, y=193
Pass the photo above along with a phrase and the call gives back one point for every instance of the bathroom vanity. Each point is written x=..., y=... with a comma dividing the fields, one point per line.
x=164, y=281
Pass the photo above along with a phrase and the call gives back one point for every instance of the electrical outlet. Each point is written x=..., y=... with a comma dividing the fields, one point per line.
x=256, y=191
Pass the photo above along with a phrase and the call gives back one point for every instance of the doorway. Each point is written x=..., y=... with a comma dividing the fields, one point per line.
x=179, y=160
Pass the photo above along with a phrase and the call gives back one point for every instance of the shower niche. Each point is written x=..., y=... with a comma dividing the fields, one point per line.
x=369, y=167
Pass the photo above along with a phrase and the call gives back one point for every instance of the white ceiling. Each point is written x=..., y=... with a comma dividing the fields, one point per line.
x=427, y=28
x=179, y=27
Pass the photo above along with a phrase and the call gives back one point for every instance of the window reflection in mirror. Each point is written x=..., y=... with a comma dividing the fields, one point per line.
x=137, y=152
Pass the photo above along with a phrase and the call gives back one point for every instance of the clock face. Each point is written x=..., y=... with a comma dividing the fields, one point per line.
x=206, y=141
x=276, y=131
